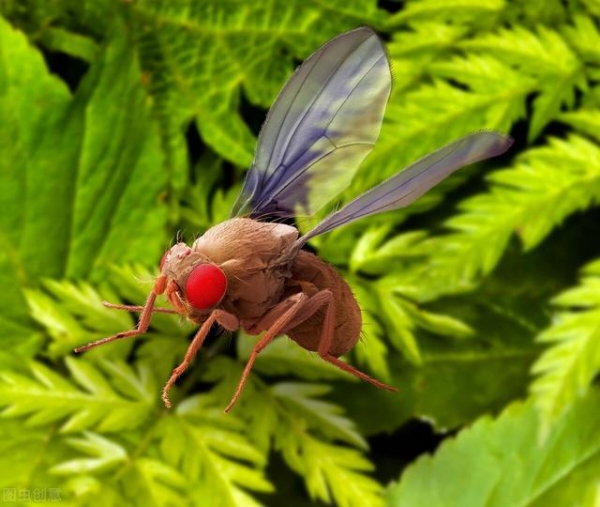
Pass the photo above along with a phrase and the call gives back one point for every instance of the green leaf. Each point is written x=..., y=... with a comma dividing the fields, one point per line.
x=73, y=315
x=566, y=369
x=285, y=357
x=455, y=10
x=121, y=122
x=544, y=55
x=101, y=403
x=319, y=414
x=152, y=482
x=458, y=380
x=289, y=414
x=105, y=454
x=502, y=462
x=201, y=56
x=334, y=472
x=18, y=446
x=79, y=163
x=547, y=185
x=219, y=461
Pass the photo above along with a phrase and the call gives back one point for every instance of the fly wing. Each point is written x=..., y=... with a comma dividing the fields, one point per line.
x=323, y=124
x=407, y=186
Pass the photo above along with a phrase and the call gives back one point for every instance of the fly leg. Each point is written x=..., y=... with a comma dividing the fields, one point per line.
x=133, y=308
x=159, y=287
x=276, y=321
x=227, y=320
x=325, y=298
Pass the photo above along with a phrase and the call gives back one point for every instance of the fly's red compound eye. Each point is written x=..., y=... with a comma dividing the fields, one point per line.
x=205, y=286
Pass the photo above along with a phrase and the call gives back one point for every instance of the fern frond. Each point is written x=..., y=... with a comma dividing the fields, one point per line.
x=331, y=472
x=200, y=55
x=72, y=315
x=584, y=36
x=105, y=455
x=545, y=56
x=567, y=368
x=586, y=121
x=323, y=416
x=545, y=186
x=108, y=468
x=301, y=427
x=458, y=11
x=114, y=401
x=211, y=452
x=387, y=302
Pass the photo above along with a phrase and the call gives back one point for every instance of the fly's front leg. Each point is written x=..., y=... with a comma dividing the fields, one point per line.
x=143, y=323
x=227, y=320
x=137, y=308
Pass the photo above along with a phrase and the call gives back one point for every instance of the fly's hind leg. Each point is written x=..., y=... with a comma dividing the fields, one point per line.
x=290, y=313
x=325, y=298
x=276, y=321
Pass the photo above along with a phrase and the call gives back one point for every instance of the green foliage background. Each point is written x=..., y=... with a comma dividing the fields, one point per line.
x=124, y=123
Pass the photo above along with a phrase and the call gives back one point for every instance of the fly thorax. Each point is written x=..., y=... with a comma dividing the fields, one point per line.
x=255, y=257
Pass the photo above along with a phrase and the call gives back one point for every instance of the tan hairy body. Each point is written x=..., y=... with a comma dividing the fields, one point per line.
x=273, y=287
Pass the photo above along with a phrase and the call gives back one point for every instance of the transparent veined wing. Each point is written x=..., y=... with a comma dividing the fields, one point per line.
x=323, y=124
x=408, y=185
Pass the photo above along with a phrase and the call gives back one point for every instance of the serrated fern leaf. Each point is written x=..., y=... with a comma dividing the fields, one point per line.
x=110, y=468
x=545, y=186
x=455, y=10
x=332, y=472
x=156, y=483
x=299, y=425
x=568, y=367
x=105, y=455
x=584, y=36
x=73, y=314
x=586, y=121
x=220, y=461
x=95, y=400
x=544, y=55
x=326, y=417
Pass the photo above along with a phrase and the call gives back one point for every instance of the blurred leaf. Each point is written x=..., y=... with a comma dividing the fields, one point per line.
x=285, y=357
x=125, y=402
x=502, y=462
x=105, y=455
x=457, y=381
x=201, y=56
x=219, y=461
x=322, y=415
x=79, y=163
x=566, y=369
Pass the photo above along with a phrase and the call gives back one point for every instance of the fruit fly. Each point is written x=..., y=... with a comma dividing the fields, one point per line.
x=253, y=274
